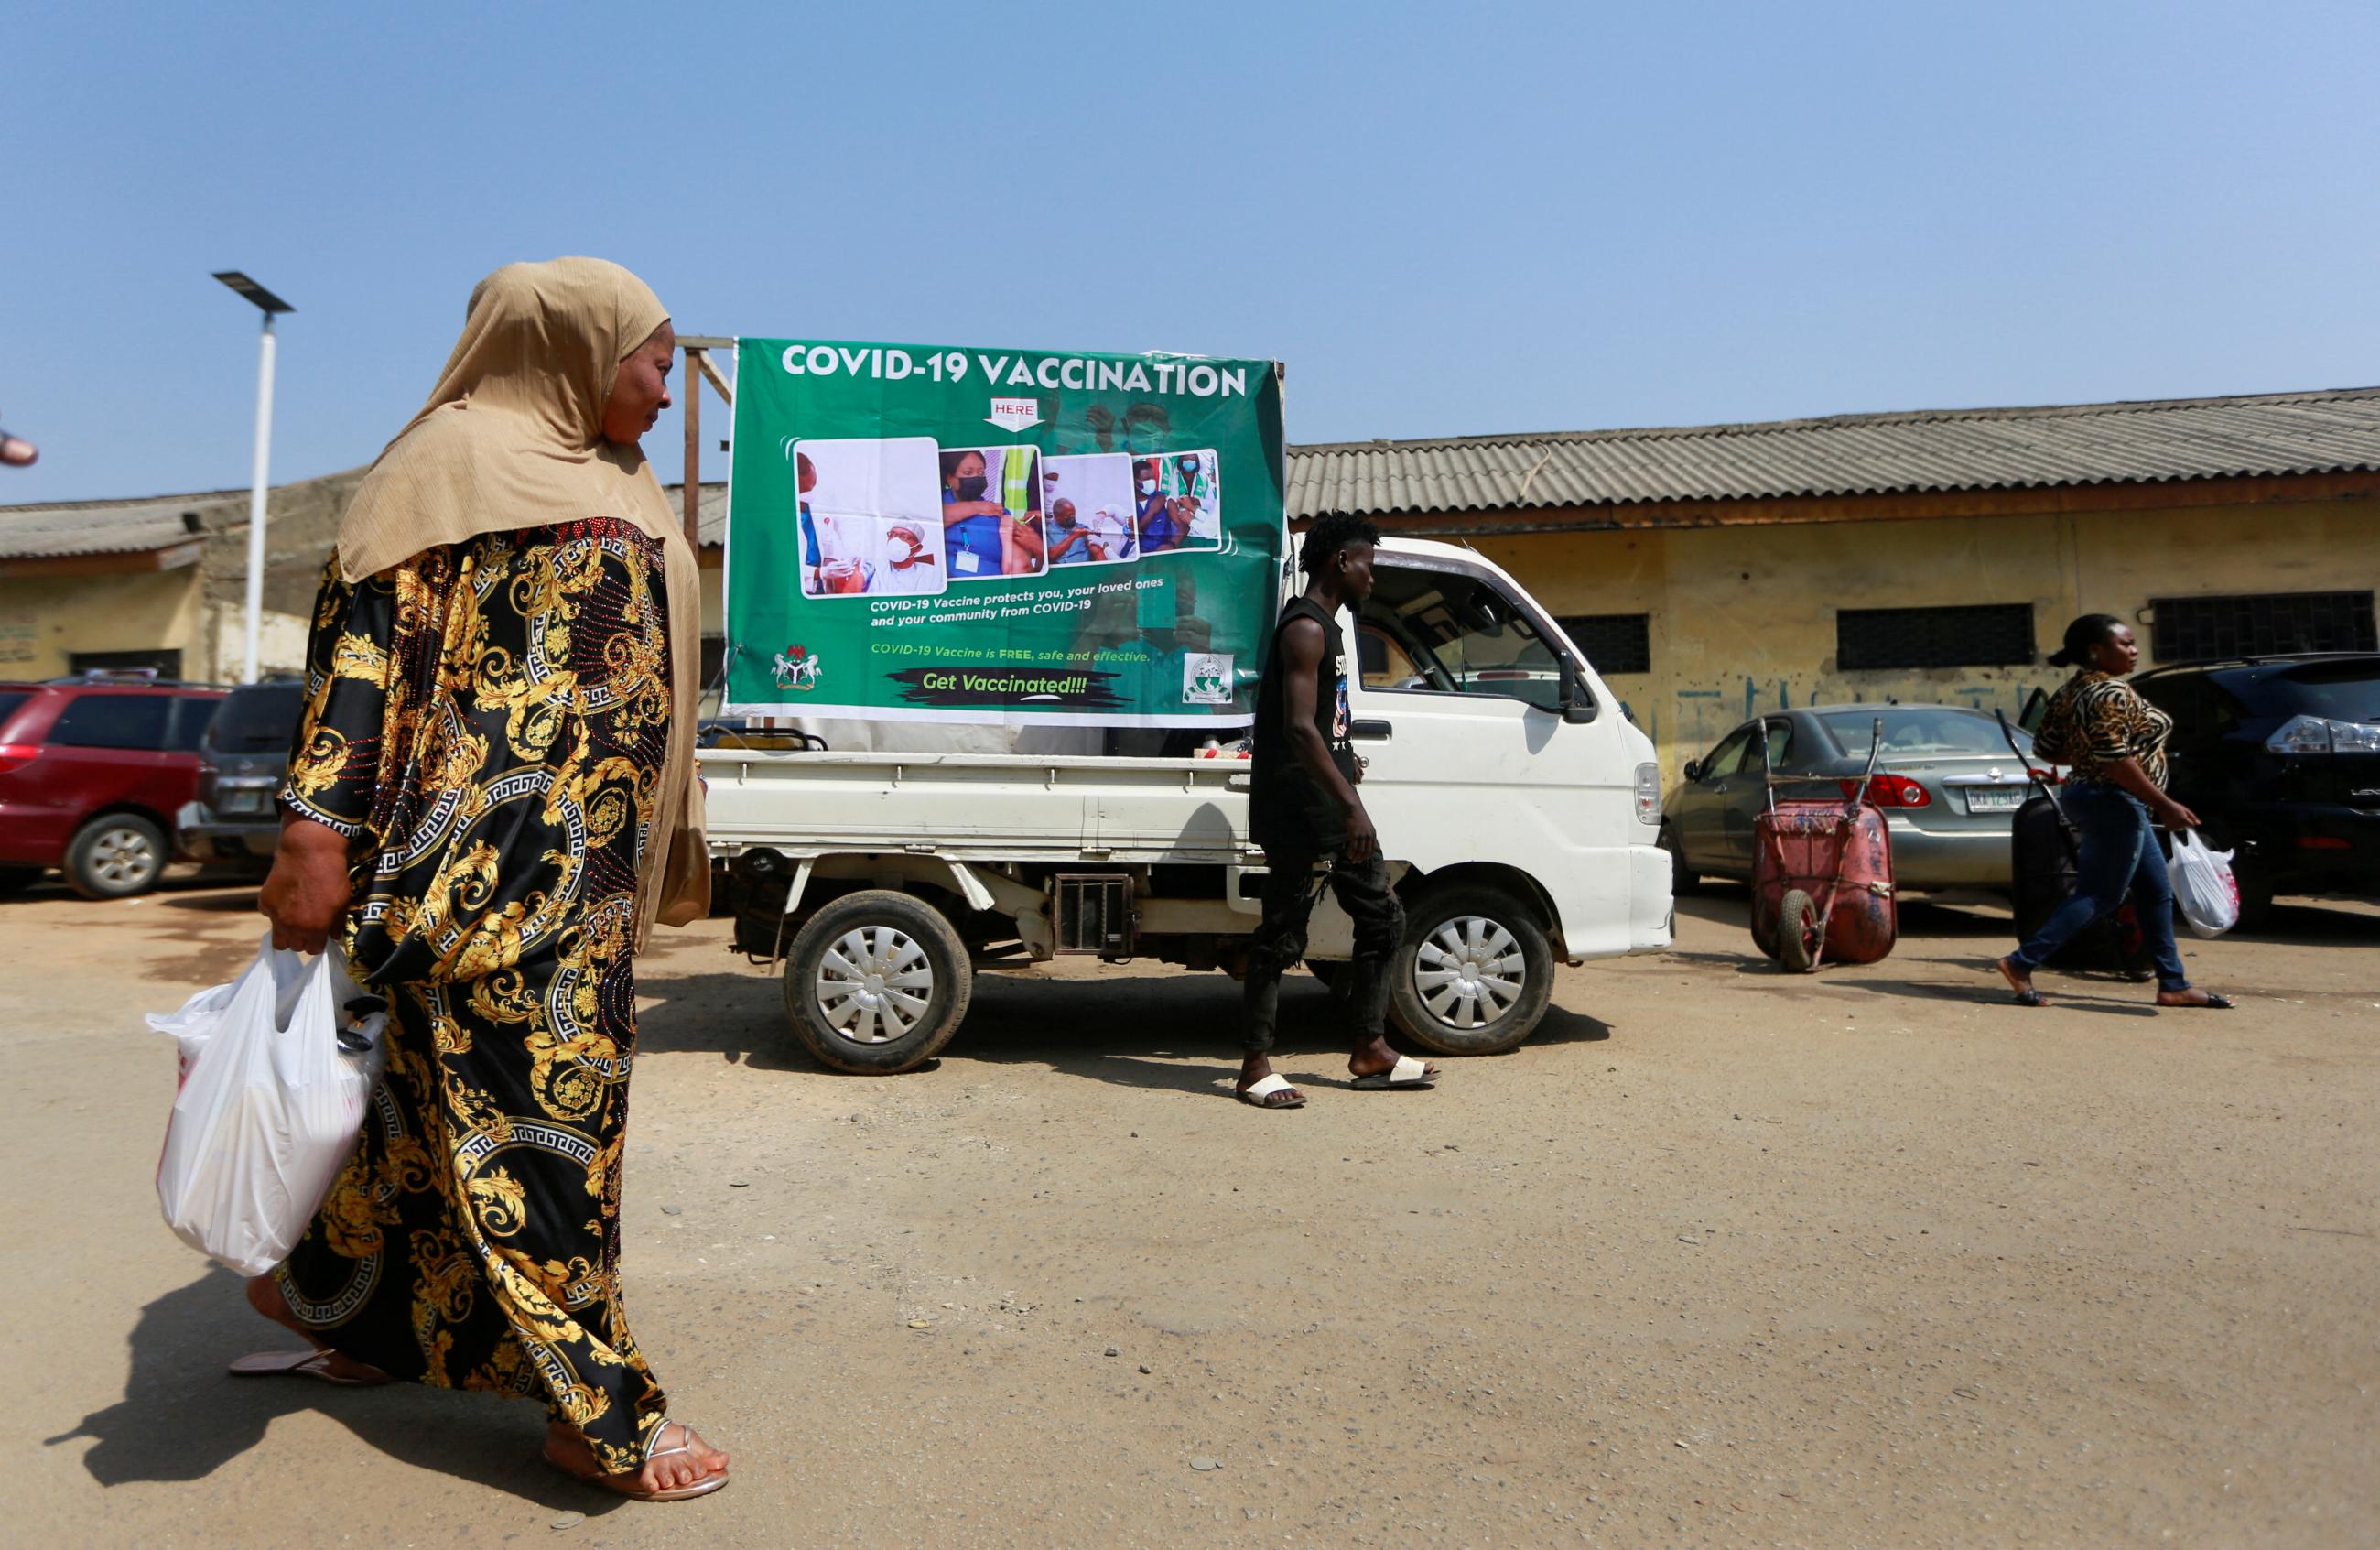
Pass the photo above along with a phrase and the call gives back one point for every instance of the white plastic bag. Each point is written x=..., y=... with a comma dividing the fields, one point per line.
x=269, y=1107
x=2203, y=885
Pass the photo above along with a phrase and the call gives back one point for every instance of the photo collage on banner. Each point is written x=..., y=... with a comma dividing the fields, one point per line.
x=905, y=516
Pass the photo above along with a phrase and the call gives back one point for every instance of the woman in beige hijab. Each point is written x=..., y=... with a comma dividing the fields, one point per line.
x=489, y=802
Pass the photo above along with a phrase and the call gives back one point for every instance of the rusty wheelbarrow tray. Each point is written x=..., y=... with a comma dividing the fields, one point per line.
x=1822, y=873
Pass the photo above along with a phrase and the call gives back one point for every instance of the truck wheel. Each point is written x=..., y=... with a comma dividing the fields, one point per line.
x=1797, y=932
x=877, y=983
x=1473, y=974
x=1682, y=876
x=116, y=856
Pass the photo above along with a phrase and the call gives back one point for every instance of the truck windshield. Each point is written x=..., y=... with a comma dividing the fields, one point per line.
x=1453, y=633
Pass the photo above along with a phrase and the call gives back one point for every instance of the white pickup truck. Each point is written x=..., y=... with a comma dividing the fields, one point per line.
x=1518, y=807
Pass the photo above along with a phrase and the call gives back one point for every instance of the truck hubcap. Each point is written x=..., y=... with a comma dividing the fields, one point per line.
x=1469, y=971
x=122, y=857
x=874, y=984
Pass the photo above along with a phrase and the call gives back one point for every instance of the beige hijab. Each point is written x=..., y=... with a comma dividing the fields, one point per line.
x=513, y=437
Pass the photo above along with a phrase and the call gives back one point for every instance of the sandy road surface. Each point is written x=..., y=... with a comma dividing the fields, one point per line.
x=1723, y=1258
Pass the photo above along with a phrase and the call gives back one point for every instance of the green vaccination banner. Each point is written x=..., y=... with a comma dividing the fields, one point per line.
x=930, y=532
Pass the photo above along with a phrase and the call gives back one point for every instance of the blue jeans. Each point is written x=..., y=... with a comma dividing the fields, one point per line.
x=2119, y=854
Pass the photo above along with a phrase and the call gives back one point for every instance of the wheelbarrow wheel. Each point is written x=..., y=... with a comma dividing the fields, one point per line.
x=1797, y=932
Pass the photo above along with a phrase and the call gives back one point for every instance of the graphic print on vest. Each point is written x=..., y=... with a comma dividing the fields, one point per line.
x=1339, y=712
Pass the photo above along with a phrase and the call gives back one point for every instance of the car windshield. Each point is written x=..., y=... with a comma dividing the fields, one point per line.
x=1922, y=730
x=258, y=719
x=2334, y=690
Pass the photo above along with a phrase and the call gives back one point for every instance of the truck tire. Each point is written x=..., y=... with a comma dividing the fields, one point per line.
x=1797, y=932
x=1682, y=876
x=116, y=856
x=1473, y=974
x=877, y=983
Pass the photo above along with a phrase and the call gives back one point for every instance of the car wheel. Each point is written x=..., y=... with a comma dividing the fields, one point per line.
x=1797, y=932
x=116, y=855
x=1682, y=879
x=877, y=983
x=1473, y=974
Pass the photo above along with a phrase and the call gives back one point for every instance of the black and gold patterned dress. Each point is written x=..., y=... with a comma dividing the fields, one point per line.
x=487, y=724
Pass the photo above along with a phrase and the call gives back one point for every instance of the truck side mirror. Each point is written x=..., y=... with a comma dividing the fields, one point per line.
x=1577, y=705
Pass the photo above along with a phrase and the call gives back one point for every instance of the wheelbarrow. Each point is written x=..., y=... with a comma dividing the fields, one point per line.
x=1822, y=872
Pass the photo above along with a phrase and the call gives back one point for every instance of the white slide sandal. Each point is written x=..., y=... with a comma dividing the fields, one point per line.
x=1407, y=1073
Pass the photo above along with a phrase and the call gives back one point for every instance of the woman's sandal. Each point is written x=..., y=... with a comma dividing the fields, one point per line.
x=2025, y=995
x=2213, y=1003
x=320, y=1365
x=622, y=1484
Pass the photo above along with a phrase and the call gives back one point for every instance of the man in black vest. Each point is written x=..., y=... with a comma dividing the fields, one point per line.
x=1303, y=809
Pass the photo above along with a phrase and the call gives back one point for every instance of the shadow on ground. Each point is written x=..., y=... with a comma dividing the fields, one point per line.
x=1177, y=1031
x=182, y=1418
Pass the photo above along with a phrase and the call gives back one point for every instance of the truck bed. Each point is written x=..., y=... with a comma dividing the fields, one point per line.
x=980, y=806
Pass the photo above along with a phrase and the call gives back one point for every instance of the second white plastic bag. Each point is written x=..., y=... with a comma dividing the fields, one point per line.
x=2203, y=885
x=269, y=1107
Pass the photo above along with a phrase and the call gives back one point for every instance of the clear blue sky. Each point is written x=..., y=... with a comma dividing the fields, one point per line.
x=1447, y=220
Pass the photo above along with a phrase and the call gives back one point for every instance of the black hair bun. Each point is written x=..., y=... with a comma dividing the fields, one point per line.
x=2061, y=658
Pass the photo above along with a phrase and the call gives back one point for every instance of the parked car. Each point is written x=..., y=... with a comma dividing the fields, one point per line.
x=1946, y=784
x=2280, y=757
x=242, y=761
x=91, y=772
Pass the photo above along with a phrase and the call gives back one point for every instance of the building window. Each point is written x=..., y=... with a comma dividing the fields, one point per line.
x=1613, y=642
x=1974, y=635
x=2268, y=624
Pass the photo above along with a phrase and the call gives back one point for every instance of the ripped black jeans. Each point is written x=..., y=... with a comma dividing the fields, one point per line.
x=1292, y=889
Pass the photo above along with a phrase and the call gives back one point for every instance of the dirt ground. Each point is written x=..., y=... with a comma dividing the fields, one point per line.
x=1722, y=1257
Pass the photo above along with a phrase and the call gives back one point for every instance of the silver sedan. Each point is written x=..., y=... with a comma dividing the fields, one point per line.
x=1945, y=782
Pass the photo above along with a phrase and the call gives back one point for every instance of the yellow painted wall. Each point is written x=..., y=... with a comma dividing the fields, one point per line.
x=1742, y=619
x=45, y=617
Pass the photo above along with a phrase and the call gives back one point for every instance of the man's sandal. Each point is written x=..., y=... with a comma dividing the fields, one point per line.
x=1407, y=1073
x=2213, y=1003
x=1271, y=1091
x=625, y=1484
x=2028, y=999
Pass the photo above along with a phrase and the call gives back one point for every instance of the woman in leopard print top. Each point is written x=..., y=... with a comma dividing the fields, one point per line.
x=2114, y=742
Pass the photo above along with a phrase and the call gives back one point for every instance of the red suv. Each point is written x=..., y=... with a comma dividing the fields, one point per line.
x=91, y=772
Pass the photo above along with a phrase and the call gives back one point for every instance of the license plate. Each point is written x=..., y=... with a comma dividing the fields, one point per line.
x=1994, y=799
x=244, y=801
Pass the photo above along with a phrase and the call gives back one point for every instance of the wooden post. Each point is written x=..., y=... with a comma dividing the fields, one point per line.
x=690, y=386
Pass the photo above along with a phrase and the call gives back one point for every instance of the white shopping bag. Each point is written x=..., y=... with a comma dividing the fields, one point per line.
x=2203, y=885
x=269, y=1107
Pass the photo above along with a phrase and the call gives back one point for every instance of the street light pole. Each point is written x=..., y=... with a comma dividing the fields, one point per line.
x=269, y=304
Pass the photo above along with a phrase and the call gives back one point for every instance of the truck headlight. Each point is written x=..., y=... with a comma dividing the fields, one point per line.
x=1648, y=795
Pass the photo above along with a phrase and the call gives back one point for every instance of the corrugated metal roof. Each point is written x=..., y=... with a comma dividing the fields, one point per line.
x=55, y=530
x=2329, y=432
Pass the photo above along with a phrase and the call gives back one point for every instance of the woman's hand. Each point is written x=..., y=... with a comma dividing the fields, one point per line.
x=2173, y=815
x=306, y=891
